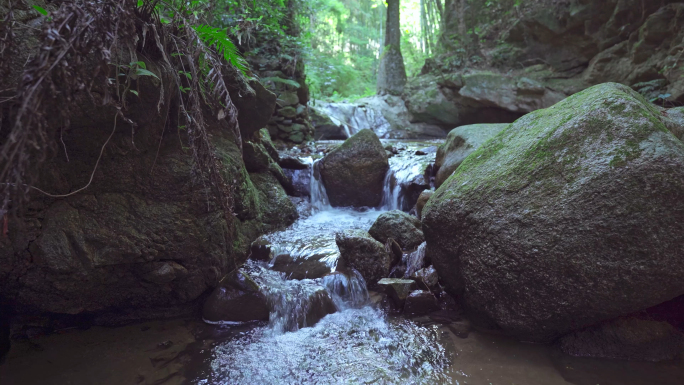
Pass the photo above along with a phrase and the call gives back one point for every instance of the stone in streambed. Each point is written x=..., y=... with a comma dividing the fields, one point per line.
x=400, y=226
x=397, y=289
x=420, y=302
x=354, y=173
x=570, y=216
x=627, y=339
x=360, y=251
x=237, y=299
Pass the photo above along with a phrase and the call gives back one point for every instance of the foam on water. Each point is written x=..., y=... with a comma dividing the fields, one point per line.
x=353, y=346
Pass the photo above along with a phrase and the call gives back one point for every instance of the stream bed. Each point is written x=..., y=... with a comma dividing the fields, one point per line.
x=359, y=343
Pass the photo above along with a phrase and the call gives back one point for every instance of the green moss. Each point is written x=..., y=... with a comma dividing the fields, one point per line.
x=605, y=124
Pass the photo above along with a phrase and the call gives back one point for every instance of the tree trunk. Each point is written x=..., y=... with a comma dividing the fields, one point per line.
x=391, y=72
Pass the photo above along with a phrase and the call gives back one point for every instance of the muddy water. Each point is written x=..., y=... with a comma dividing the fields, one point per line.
x=358, y=344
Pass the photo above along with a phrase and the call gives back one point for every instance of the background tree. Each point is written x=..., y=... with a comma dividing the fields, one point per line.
x=391, y=72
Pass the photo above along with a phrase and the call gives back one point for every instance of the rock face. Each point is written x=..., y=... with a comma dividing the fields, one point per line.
x=145, y=239
x=530, y=55
x=460, y=143
x=353, y=173
x=363, y=253
x=397, y=289
x=420, y=302
x=627, y=339
x=400, y=226
x=237, y=299
x=586, y=194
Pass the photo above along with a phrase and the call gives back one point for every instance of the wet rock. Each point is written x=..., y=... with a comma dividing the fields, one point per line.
x=587, y=193
x=301, y=181
x=675, y=121
x=397, y=289
x=310, y=267
x=400, y=226
x=420, y=302
x=297, y=136
x=264, y=138
x=379, y=301
x=460, y=143
x=293, y=162
x=627, y=339
x=354, y=172
x=237, y=299
x=261, y=250
x=422, y=200
x=415, y=260
x=360, y=251
x=426, y=278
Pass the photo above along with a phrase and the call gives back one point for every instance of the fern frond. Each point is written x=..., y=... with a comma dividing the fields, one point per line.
x=224, y=46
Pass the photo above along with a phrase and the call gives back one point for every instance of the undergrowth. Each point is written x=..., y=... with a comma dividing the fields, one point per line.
x=86, y=46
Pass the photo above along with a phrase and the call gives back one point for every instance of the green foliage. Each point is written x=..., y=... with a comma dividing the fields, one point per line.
x=219, y=38
x=40, y=10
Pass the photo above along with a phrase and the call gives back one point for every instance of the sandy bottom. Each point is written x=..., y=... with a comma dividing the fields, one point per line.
x=169, y=352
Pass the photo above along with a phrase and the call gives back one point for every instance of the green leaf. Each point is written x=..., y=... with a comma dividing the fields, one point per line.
x=40, y=10
x=186, y=73
x=140, y=64
x=134, y=92
x=144, y=72
x=224, y=46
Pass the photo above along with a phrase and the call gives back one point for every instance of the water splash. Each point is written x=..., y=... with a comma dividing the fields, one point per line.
x=407, y=176
x=348, y=291
x=354, y=346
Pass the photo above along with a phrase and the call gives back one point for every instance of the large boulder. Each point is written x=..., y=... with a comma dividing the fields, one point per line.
x=570, y=216
x=461, y=142
x=400, y=226
x=353, y=173
x=363, y=253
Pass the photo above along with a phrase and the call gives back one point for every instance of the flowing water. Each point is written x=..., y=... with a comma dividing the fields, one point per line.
x=322, y=329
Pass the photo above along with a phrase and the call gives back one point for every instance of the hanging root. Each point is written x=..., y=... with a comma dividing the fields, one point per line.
x=103, y=30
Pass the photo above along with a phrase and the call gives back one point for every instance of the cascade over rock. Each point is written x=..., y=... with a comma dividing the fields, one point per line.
x=353, y=173
x=570, y=216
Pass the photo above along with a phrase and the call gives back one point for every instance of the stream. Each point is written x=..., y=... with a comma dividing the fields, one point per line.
x=359, y=343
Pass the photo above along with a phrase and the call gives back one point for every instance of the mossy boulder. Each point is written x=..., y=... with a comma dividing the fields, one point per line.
x=570, y=216
x=461, y=142
x=353, y=173
x=360, y=251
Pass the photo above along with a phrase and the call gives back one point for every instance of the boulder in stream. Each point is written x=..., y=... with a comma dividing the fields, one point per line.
x=422, y=200
x=360, y=251
x=460, y=143
x=400, y=226
x=353, y=173
x=571, y=216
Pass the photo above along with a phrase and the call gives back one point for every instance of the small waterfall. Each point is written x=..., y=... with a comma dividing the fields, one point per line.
x=392, y=198
x=347, y=130
x=347, y=291
x=319, y=197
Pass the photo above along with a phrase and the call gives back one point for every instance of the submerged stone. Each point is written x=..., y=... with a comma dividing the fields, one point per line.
x=237, y=299
x=420, y=302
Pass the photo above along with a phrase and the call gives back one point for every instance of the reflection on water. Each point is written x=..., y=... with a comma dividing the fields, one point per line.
x=354, y=346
